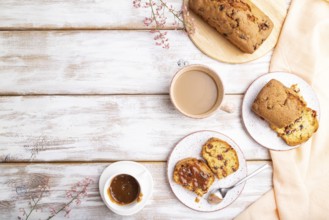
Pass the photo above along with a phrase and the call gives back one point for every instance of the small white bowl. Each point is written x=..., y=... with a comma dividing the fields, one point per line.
x=114, y=206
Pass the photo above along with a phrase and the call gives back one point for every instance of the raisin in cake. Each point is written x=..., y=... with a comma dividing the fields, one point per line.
x=300, y=130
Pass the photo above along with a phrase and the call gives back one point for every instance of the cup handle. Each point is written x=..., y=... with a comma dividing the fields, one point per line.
x=228, y=107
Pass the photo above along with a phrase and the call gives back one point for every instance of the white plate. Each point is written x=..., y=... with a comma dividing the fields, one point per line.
x=133, y=168
x=259, y=129
x=191, y=146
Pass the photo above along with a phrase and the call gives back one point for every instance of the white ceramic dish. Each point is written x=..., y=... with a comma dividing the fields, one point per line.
x=134, y=169
x=259, y=129
x=190, y=146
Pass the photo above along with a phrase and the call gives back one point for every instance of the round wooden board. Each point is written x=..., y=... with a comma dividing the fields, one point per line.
x=213, y=44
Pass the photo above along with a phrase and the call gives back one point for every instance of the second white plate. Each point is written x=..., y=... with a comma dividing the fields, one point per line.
x=191, y=146
x=259, y=129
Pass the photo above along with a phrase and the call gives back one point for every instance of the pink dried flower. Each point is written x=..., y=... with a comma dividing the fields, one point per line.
x=69, y=195
x=147, y=21
x=137, y=3
x=161, y=39
x=158, y=19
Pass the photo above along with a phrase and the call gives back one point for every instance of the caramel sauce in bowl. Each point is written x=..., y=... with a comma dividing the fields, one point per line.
x=123, y=191
x=196, y=91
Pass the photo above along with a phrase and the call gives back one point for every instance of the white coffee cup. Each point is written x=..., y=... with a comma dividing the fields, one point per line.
x=216, y=82
x=115, y=207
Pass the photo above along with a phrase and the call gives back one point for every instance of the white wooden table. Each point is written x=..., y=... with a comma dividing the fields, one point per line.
x=83, y=85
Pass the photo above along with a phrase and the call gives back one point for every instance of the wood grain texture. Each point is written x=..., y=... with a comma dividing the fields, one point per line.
x=18, y=180
x=73, y=14
x=88, y=118
x=107, y=128
x=105, y=62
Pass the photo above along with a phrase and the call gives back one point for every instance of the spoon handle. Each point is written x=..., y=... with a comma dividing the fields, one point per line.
x=252, y=174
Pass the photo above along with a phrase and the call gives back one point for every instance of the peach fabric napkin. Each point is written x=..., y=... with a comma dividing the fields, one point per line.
x=301, y=176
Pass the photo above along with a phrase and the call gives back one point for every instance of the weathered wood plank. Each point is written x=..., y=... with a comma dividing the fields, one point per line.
x=72, y=14
x=105, y=128
x=105, y=62
x=18, y=180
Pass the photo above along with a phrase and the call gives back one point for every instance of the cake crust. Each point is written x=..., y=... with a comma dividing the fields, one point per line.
x=239, y=21
x=278, y=105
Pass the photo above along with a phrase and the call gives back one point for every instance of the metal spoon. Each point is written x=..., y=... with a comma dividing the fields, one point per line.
x=217, y=195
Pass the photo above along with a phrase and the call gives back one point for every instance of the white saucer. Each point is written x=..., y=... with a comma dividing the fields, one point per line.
x=128, y=167
x=191, y=146
x=259, y=129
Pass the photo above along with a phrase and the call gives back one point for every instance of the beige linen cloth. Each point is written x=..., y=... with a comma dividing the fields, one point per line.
x=301, y=176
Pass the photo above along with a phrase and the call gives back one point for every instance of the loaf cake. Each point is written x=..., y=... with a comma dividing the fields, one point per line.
x=221, y=157
x=278, y=105
x=239, y=21
x=286, y=112
x=194, y=175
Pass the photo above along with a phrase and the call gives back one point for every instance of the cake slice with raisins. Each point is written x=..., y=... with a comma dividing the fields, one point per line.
x=286, y=112
x=221, y=157
x=300, y=130
x=194, y=175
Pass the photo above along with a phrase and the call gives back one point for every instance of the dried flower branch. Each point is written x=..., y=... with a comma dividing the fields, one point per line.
x=34, y=201
x=77, y=192
x=158, y=19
